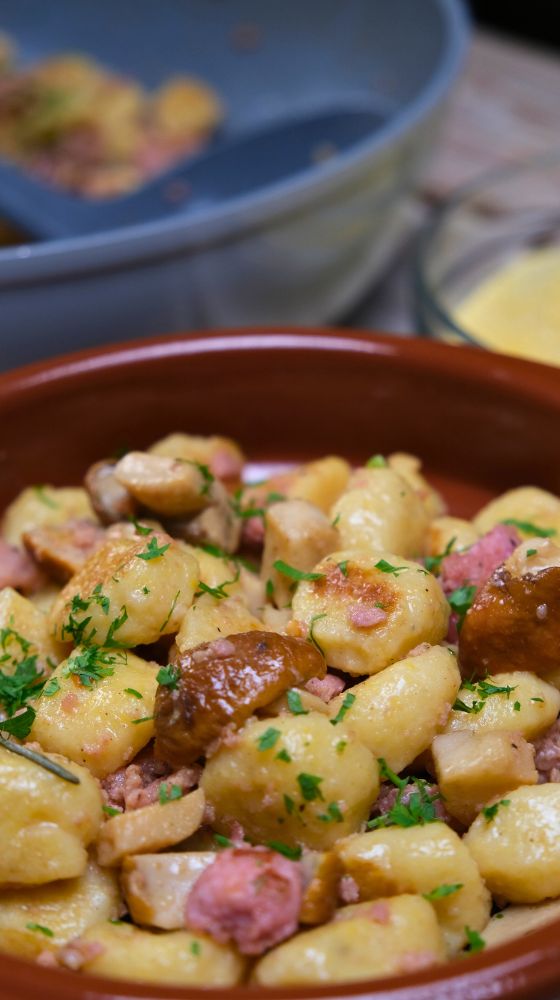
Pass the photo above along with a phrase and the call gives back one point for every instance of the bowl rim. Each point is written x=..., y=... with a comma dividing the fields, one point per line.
x=29, y=263
x=527, y=967
x=426, y=299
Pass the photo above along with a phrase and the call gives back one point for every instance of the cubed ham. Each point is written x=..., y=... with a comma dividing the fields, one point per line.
x=139, y=783
x=249, y=895
x=547, y=754
x=475, y=565
x=18, y=570
x=326, y=688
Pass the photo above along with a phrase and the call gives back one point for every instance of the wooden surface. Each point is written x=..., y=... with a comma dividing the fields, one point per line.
x=505, y=108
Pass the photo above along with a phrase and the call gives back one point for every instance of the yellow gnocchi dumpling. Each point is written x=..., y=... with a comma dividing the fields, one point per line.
x=38, y=505
x=130, y=591
x=46, y=822
x=97, y=708
x=384, y=938
x=397, y=713
x=380, y=511
x=296, y=779
x=369, y=609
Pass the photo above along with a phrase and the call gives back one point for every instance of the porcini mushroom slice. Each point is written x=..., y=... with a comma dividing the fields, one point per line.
x=222, y=683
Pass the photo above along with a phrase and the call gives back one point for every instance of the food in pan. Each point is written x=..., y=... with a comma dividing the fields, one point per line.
x=82, y=127
x=289, y=732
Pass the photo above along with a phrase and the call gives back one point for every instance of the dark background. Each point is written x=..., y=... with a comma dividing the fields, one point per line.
x=536, y=20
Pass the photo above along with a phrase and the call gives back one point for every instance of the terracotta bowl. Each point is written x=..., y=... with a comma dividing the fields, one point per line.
x=482, y=423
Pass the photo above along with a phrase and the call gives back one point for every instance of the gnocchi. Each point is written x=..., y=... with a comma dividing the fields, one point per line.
x=274, y=733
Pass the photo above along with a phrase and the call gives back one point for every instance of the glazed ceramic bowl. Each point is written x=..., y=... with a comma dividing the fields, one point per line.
x=481, y=422
x=292, y=237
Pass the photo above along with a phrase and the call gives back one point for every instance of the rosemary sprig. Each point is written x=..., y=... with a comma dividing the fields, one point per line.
x=37, y=758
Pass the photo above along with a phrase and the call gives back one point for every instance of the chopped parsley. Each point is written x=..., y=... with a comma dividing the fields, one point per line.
x=289, y=804
x=460, y=601
x=195, y=948
x=19, y=725
x=245, y=512
x=169, y=793
x=111, y=811
x=295, y=574
x=153, y=550
x=90, y=664
x=268, y=739
x=215, y=550
x=441, y=891
x=133, y=692
x=387, y=567
x=40, y=929
x=25, y=680
x=311, y=635
x=294, y=703
x=475, y=942
x=283, y=755
x=168, y=676
x=335, y=521
x=482, y=690
x=141, y=529
x=349, y=700
x=517, y=706
x=489, y=812
x=115, y=625
x=531, y=552
x=145, y=718
x=433, y=563
x=207, y=477
x=309, y=786
x=222, y=841
x=376, y=462
x=42, y=495
x=269, y=589
x=537, y=699
x=332, y=815
x=343, y=567
x=529, y=528
x=146, y=590
x=341, y=746
x=417, y=811
x=293, y=853
x=218, y=592
x=171, y=610
x=51, y=687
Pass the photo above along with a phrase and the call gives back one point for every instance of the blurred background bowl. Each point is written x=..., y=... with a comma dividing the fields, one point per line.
x=507, y=218
x=303, y=248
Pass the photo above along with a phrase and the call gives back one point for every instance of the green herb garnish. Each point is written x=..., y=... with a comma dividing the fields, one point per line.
x=386, y=567
x=311, y=635
x=441, y=891
x=153, y=550
x=475, y=942
x=376, y=462
x=309, y=786
x=489, y=812
x=293, y=853
x=433, y=563
x=168, y=676
x=133, y=692
x=40, y=929
x=295, y=574
x=347, y=703
x=268, y=739
x=529, y=528
x=169, y=793
x=294, y=703
x=332, y=815
x=460, y=601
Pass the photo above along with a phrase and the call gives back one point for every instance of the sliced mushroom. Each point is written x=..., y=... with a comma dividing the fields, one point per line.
x=62, y=549
x=221, y=683
x=171, y=487
x=110, y=499
x=514, y=620
x=216, y=525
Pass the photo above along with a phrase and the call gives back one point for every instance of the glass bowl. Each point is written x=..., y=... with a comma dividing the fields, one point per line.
x=506, y=223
